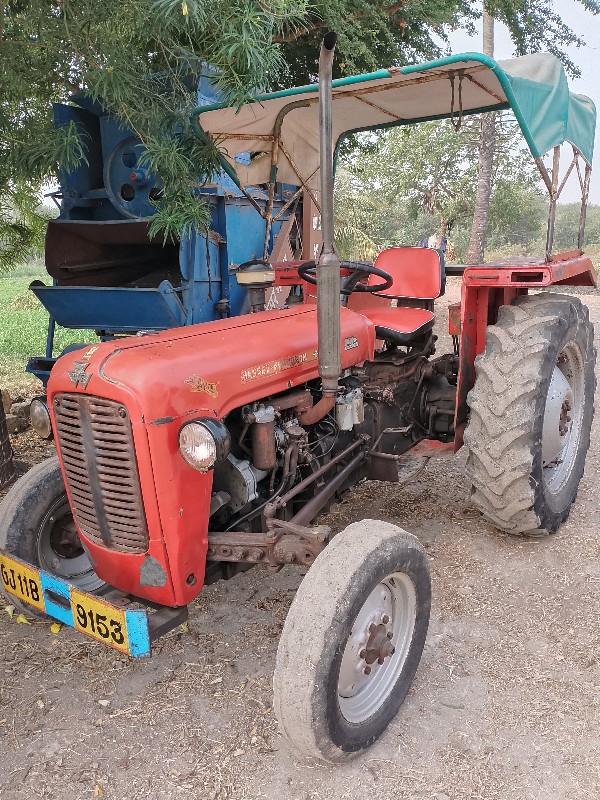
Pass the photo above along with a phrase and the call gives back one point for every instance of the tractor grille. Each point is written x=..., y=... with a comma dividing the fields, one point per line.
x=96, y=446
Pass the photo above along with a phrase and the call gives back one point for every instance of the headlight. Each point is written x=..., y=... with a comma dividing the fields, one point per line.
x=204, y=442
x=39, y=417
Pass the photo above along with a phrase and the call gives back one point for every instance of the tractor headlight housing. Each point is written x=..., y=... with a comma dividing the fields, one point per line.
x=203, y=443
x=39, y=416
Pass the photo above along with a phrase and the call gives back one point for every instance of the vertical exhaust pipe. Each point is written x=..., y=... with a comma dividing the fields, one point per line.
x=328, y=265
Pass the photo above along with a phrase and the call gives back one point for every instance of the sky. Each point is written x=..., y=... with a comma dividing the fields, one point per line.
x=587, y=59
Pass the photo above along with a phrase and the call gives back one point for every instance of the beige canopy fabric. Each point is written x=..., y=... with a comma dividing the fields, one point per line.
x=533, y=86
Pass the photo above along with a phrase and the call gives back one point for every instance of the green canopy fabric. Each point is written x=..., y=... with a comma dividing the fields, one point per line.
x=537, y=90
x=278, y=134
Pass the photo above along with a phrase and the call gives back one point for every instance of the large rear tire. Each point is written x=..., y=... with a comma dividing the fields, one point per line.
x=531, y=412
x=37, y=526
x=352, y=641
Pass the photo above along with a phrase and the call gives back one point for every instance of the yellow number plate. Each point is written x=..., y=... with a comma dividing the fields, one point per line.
x=102, y=621
x=22, y=581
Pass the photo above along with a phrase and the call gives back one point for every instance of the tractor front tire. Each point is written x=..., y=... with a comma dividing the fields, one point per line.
x=352, y=641
x=531, y=411
x=37, y=526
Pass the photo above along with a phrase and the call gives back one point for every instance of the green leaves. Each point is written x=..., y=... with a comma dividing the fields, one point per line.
x=172, y=13
x=22, y=225
x=70, y=147
x=138, y=58
x=536, y=26
x=65, y=146
x=183, y=214
x=141, y=60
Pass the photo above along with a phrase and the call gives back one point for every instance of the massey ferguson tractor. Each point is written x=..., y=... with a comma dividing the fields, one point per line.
x=188, y=455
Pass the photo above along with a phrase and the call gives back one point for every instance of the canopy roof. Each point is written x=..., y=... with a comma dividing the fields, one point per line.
x=533, y=86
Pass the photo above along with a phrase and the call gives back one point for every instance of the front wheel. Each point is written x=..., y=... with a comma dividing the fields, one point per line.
x=352, y=641
x=531, y=413
x=37, y=526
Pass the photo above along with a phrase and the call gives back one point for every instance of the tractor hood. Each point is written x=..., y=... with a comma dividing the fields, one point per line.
x=211, y=368
x=156, y=383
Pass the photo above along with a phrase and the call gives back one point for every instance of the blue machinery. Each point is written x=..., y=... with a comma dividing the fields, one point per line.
x=108, y=277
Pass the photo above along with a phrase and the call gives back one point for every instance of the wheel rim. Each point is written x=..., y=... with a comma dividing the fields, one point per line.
x=130, y=187
x=59, y=549
x=377, y=649
x=563, y=417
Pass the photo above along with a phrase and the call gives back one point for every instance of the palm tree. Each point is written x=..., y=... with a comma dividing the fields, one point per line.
x=351, y=236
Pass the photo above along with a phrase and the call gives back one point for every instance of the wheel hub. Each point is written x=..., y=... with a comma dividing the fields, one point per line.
x=565, y=419
x=60, y=551
x=563, y=416
x=376, y=650
x=64, y=539
x=557, y=421
x=379, y=645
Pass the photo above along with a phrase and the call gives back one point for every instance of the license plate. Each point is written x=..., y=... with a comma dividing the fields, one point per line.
x=125, y=630
x=22, y=581
x=100, y=620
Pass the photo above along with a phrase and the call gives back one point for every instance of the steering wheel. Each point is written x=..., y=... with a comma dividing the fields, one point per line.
x=357, y=269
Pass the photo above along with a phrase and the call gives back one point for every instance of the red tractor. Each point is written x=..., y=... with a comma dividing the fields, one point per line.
x=190, y=455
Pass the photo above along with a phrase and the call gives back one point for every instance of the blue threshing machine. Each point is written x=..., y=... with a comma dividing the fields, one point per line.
x=110, y=278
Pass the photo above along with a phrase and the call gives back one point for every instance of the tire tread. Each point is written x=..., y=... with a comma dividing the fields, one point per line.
x=503, y=404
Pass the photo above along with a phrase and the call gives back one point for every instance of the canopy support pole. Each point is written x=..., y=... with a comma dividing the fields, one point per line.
x=553, y=199
x=544, y=173
x=273, y=174
x=297, y=193
x=585, y=189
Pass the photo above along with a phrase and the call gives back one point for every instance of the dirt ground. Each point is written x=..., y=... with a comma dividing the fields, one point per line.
x=505, y=706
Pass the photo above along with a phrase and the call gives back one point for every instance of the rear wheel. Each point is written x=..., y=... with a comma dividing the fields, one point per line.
x=531, y=413
x=36, y=525
x=352, y=641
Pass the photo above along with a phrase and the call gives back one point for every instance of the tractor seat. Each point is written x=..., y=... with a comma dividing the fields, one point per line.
x=400, y=325
x=419, y=275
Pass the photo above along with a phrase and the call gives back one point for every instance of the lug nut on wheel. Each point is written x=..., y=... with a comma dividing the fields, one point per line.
x=385, y=619
x=367, y=670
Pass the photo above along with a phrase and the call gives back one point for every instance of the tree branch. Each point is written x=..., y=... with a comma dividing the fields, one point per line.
x=305, y=30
